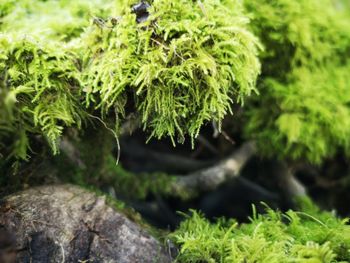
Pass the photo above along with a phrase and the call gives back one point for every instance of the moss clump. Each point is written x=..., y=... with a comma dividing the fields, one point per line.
x=131, y=186
x=136, y=186
x=61, y=20
x=305, y=117
x=307, y=236
x=303, y=110
x=39, y=92
x=183, y=66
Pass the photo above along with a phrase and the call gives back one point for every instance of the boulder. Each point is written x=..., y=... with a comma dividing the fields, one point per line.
x=65, y=223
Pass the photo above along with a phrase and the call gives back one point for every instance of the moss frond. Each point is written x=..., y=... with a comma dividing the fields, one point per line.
x=40, y=88
x=60, y=20
x=303, y=110
x=183, y=66
x=308, y=236
x=308, y=116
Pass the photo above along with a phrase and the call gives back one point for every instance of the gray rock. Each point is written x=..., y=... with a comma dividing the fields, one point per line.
x=66, y=223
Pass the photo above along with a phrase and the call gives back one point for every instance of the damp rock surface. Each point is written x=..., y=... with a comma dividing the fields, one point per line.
x=66, y=223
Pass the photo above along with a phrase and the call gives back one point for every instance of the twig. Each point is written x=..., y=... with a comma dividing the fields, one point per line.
x=72, y=153
x=228, y=138
x=210, y=178
x=113, y=132
x=207, y=144
x=131, y=124
x=63, y=255
x=292, y=186
x=161, y=160
x=201, y=6
x=258, y=190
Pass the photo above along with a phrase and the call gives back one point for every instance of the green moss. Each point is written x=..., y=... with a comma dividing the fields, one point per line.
x=39, y=91
x=60, y=60
x=182, y=67
x=137, y=186
x=307, y=236
x=307, y=116
x=61, y=20
x=303, y=110
x=127, y=184
x=299, y=33
x=118, y=205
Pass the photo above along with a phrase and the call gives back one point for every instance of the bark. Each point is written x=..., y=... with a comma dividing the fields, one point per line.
x=68, y=224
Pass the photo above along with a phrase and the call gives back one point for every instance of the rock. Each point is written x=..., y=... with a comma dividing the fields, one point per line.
x=66, y=223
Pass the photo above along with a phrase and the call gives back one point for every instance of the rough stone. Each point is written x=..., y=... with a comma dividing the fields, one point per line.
x=66, y=223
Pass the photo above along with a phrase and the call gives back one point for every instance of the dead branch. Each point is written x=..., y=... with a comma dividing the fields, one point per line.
x=71, y=152
x=163, y=161
x=210, y=178
x=292, y=186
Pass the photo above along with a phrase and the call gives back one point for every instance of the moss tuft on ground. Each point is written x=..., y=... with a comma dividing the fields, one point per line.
x=307, y=236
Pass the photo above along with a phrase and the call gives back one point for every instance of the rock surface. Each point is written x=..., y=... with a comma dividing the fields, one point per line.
x=68, y=224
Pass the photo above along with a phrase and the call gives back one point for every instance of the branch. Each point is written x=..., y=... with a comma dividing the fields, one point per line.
x=162, y=161
x=210, y=178
x=71, y=152
x=292, y=186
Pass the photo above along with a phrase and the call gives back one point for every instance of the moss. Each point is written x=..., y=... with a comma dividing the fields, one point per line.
x=60, y=60
x=308, y=235
x=60, y=20
x=137, y=186
x=305, y=117
x=183, y=66
x=126, y=184
x=37, y=90
x=118, y=205
x=304, y=85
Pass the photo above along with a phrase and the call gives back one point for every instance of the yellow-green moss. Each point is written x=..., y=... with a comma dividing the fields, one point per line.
x=295, y=236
